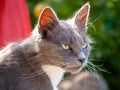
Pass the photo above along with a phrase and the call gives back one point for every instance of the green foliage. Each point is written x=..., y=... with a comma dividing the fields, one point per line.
x=105, y=16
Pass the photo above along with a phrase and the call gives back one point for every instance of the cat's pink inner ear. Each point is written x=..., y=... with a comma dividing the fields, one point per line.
x=47, y=17
x=83, y=14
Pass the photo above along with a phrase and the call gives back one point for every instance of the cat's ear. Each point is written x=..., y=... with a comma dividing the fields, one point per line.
x=47, y=19
x=81, y=17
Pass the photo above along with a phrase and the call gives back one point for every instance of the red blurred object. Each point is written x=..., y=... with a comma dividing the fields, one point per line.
x=14, y=21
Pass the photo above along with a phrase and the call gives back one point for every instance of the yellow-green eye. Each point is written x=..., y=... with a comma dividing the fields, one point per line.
x=84, y=45
x=65, y=46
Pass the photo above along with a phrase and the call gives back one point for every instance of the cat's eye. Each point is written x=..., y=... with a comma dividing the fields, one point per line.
x=84, y=46
x=66, y=46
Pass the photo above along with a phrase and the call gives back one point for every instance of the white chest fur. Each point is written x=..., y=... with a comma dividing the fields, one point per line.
x=54, y=73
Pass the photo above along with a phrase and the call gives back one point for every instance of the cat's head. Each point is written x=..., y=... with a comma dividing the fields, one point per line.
x=64, y=43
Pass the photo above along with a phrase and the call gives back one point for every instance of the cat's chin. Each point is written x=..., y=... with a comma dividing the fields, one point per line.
x=74, y=70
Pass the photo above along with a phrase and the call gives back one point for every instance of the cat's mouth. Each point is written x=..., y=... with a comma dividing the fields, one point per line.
x=73, y=68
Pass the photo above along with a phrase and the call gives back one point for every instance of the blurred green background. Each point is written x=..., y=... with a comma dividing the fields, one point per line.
x=104, y=27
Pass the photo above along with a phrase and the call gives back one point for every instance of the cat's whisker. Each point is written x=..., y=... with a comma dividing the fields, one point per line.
x=91, y=59
x=95, y=60
x=90, y=65
x=93, y=21
x=89, y=69
x=97, y=67
x=93, y=69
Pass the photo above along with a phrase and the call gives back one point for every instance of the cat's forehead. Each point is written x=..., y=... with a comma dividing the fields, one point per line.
x=70, y=32
x=68, y=26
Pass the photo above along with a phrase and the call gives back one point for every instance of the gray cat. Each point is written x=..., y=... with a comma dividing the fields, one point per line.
x=40, y=61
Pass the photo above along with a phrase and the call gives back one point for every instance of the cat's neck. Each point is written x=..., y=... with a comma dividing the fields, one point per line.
x=54, y=73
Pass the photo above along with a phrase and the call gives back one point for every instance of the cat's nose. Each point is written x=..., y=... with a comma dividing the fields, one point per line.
x=82, y=60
